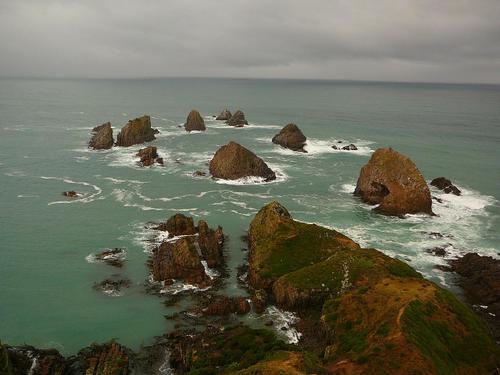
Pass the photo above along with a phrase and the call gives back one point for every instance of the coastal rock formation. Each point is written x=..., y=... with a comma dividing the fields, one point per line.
x=149, y=156
x=350, y=147
x=234, y=161
x=178, y=225
x=194, y=121
x=223, y=305
x=71, y=194
x=26, y=359
x=112, y=286
x=291, y=137
x=106, y=359
x=113, y=257
x=444, y=184
x=178, y=260
x=135, y=132
x=365, y=300
x=237, y=119
x=183, y=258
x=224, y=115
x=102, y=137
x=392, y=181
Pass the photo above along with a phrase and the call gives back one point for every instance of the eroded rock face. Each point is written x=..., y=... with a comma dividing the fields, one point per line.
x=178, y=225
x=444, y=184
x=149, y=156
x=234, y=161
x=136, y=131
x=291, y=137
x=211, y=243
x=102, y=137
x=105, y=359
x=480, y=279
x=178, y=260
x=224, y=115
x=237, y=119
x=194, y=121
x=392, y=181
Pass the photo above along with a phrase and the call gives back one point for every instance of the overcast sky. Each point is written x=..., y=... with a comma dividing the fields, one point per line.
x=413, y=40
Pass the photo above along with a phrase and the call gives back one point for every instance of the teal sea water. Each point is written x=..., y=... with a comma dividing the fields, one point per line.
x=46, y=295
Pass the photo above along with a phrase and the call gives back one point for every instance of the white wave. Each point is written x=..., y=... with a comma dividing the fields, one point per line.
x=223, y=125
x=85, y=199
x=209, y=271
x=27, y=196
x=15, y=174
x=348, y=188
x=118, y=181
x=255, y=180
x=283, y=323
x=179, y=287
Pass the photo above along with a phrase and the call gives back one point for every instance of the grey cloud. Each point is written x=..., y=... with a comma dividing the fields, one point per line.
x=422, y=40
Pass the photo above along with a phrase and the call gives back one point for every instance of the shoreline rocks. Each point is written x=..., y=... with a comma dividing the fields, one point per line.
x=225, y=115
x=446, y=186
x=148, y=156
x=237, y=120
x=393, y=181
x=136, y=131
x=102, y=137
x=233, y=161
x=291, y=137
x=194, y=121
x=112, y=257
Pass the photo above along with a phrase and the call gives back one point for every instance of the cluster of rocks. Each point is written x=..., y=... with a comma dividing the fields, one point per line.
x=148, y=156
x=182, y=259
x=445, y=185
x=349, y=147
x=135, y=132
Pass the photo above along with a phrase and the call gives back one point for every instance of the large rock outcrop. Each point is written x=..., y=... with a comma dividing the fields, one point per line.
x=291, y=137
x=183, y=258
x=234, y=161
x=237, y=119
x=371, y=307
x=135, y=132
x=194, y=121
x=393, y=181
x=102, y=137
x=224, y=115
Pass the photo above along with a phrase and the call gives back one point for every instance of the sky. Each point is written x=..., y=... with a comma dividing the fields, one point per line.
x=383, y=40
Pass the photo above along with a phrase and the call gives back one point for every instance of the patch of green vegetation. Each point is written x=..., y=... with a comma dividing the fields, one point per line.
x=383, y=330
x=238, y=348
x=363, y=289
x=401, y=269
x=448, y=349
x=352, y=341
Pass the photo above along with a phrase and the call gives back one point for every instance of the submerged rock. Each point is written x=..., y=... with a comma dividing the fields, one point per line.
x=234, y=161
x=136, y=131
x=291, y=137
x=392, y=181
x=112, y=286
x=224, y=115
x=444, y=184
x=149, y=156
x=194, y=121
x=113, y=257
x=102, y=137
x=199, y=173
x=237, y=120
x=71, y=194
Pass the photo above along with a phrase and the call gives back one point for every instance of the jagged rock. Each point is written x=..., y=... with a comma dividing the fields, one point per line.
x=26, y=359
x=392, y=181
x=351, y=147
x=480, y=279
x=234, y=161
x=178, y=225
x=106, y=359
x=224, y=115
x=194, y=121
x=135, y=132
x=237, y=119
x=444, y=184
x=291, y=137
x=102, y=137
x=112, y=286
x=211, y=244
x=178, y=260
x=71, y=194
x=439, y=251
x=223, y=305
x=113, y=257
x=149, y=156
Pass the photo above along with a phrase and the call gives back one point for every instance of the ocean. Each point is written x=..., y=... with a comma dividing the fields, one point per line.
x=46, y=274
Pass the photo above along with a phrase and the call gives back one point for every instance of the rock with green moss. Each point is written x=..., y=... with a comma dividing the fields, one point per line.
x=371, y=307
x=233, y=161
x=136, y=131
x=393, y=182
x=194, y=121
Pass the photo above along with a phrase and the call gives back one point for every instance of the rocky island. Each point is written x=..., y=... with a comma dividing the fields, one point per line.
x=135, y=132
x=291, y=137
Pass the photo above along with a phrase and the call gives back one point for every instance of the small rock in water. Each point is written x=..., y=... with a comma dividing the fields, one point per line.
x=199, y=173
x=445, y=185
x=439, y=251
x=224, y=115
x=350, y=147
x=112, y=286
x=113, y=257
x=71, y=194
